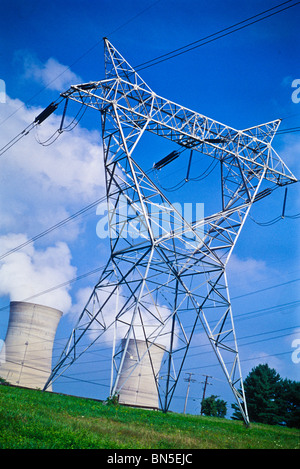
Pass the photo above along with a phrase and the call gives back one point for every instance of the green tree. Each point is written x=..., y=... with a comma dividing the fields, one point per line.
x=213, y=407
x=270, y=399
x=289, y=402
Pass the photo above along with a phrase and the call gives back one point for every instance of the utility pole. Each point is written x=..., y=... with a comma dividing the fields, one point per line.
x=189, y=381
x=204, y=390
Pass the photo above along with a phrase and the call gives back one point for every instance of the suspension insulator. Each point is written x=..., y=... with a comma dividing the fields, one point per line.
x=45, y=113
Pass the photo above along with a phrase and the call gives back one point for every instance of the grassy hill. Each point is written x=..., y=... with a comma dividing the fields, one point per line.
x=32, y=419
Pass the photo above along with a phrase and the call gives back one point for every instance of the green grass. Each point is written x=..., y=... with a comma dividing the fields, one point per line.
x=32, y=419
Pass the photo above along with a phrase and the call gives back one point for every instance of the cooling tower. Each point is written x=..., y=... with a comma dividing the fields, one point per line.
x=139, y=387
x=28, y=344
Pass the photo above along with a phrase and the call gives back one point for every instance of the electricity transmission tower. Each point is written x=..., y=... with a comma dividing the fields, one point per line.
x=165, y=272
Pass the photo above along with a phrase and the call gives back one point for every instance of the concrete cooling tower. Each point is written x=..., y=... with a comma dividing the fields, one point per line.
x=28, y=344
x=139, y=387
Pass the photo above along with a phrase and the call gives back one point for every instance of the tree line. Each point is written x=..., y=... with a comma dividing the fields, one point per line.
x=270, y=399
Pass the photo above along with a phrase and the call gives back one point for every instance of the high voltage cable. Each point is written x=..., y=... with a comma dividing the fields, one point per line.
x=194, y=368
x=104, y=357
x=80, y=373
x=197, y=346
x=61, y=285
x=203, y=366
x=211, y=38
x=80, y=277
x=77, y=60
x=295, y=129
x=101, y=356
x=102, y=199
x=245, y=344
x=168, y=56
x=53, y=227
x=175, y=52
x=132, y=18
x=267, y=288
x=61, y=223
x=288, y=131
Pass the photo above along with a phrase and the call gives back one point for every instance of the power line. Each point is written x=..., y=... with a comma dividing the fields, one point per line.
x=275, y=220
x=267, y=288
x=60, y=223
x=198, y=346
x=53, y=227
x=244, y=360
x=272, y=309
x=190, y=374
x=77, y=60
x=102, y=199
x=288, y=131
x=211, y=38
x=68, y=282
x=247, y=343
x=61, y=285
x=133, y=18
x=195, y=368
x=170, y=54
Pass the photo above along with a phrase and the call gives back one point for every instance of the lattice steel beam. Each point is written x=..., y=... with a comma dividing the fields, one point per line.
x=174, y=270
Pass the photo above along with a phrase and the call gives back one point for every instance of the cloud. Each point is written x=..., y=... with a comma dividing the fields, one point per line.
x=29, y=272
x=287, y=81
x=2, y=91
x=263, y=357
x=40, y=186
x=52, y=74
x=290, y=150
x=247, y=272
x=45, y=183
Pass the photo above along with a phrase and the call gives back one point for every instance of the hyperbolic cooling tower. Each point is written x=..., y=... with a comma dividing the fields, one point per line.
x=139, y=388
x=28, y=344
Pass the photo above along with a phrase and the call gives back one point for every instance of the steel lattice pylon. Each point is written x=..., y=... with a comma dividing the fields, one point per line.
x=174, y=271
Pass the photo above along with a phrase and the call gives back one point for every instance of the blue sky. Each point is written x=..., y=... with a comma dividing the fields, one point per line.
x=242, y=79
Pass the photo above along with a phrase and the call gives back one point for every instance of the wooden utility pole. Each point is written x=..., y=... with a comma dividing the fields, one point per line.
x=189, y=380
x=204, y=390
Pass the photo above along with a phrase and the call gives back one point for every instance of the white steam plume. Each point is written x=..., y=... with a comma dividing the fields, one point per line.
x=25, y=274
x=150, y=322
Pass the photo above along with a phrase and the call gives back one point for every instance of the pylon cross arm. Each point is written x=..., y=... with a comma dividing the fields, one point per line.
x=189, y=129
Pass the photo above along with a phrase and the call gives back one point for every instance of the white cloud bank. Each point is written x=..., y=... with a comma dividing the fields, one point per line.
x=40, y=186
x=44, y=184
x=27, y=273
x=52, y=74
x=246, y=271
